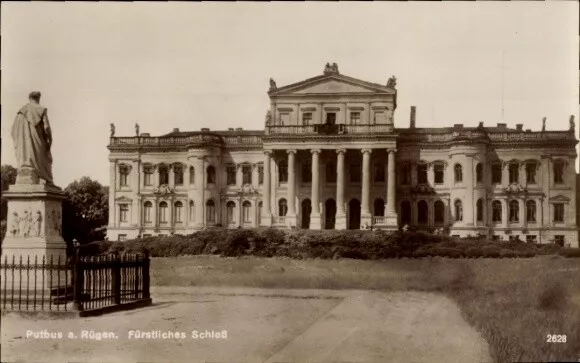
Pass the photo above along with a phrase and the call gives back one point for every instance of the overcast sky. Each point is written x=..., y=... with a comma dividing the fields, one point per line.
x=192, y=65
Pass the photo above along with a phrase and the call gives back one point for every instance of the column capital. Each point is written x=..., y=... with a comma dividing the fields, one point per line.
x=291, y=151
x=391, y=151
x=341, y=151
x=315, y=151
x=365, y=151
x=268, y=152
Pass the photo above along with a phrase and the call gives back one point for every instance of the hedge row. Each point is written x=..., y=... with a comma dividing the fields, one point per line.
x=326, y=244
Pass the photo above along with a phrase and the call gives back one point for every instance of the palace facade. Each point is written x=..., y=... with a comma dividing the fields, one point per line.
x=330, y=157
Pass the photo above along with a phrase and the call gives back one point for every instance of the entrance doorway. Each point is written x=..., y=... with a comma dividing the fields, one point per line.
x=354, y=214
x=329, y=213
x=305, y=213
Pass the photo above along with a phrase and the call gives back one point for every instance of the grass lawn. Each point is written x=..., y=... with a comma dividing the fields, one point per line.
x=514, y=303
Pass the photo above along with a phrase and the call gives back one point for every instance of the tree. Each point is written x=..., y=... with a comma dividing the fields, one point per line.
x=8, y=178
x=85, y=210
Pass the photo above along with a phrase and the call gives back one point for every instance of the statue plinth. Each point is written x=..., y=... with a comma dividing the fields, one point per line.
x=34, y=223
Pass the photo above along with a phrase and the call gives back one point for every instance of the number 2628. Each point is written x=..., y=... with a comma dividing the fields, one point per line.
x=555, y=338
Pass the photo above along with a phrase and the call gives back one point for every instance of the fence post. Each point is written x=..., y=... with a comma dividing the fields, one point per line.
x=116, y=272
x=146, y=276
x=78, y=276
x=138, y=268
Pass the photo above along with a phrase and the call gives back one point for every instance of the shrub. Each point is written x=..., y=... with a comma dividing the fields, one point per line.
x=570, y=252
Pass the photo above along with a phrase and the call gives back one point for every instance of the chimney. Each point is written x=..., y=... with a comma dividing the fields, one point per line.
x=230, y=129
x=239, y=129
x=480, y=124
x=519, y=127
x=204, y=129
x=145, y=134
x=528, y=130
x=176, y=129
x=501, y=126
x=458, y=126
x=413, y=113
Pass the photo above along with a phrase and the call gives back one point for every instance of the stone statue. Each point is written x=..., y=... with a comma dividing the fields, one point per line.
x=392, y=82
x=572, y=124
x=327, y=68
x=32, y=138
x=37, y=224
x=335, y=67
x=15, y=225
x=136, y=129
x=268, y=118
x=26, y=223
x=544, y=124
x=112, y=130
x=273, y=85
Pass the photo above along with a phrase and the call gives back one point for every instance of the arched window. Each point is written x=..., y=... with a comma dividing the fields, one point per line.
x=191, y=175
x=210, y=211
x=458, y=173
x=163, y=212
x=178, y=174
x=147, y=206
x=282, y=207
x=479, y=173
x=531, y=211
x=439, y=173
x=405, y=212
x=163, y=174
x=191, y=211
x=178, y=212
x=230, y=206
x=458, y=210
x=210, y=175
x=379, y=207
x=282, y=171
x=479, y=210
x=514, y=172
x=246, y=209
x=439, y=210
x=422, y=212
x=496, y=211
x=514, y=211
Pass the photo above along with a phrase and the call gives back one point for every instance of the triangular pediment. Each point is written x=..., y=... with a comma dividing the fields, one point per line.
x=123, y=199
x=331, y=84
x=559, y=198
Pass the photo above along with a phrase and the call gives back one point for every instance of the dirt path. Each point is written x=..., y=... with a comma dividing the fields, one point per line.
x=262, y=325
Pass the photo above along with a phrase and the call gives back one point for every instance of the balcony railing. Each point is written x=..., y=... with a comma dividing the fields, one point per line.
x=280, y=220
x=327, y=129
x=378, y=220
x=193, y=140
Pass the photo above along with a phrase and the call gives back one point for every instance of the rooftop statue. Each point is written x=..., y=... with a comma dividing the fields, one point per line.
x=136, y=129
x=572, y=124
x=544, y=124
x=392, y=82
x=331, y=68
x=112, y=130
x=32, y=138
x=273, y=85
x=268, y=118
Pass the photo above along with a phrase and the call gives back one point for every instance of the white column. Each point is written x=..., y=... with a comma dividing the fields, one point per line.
x=291, y=215
x=136, y=207
x=365, y=213
x=340, y=220
x=255, y=176
x=171, y=171
x=112, y=190
x=266, y=211
x=390, y=209
x=199, y=165
x=186, y=180
x=155, y=175
x=239, y=176
x=315, y=214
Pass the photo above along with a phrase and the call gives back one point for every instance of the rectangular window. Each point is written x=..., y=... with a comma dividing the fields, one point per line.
x=306, y=172
x=330, y=173
x=247, y=174
x=146, y=235
x=496, y=173
x=147, y=176
x=123, y=212
x=559, y=240
x=260, y=174
x=531, y=173
x=531, y=239
x=331, y=118
x=559, y=173
x=122, y=237
x=558, y=212
x=123, y=176
x=178, y=175
x=380, y=173
x=355, y=118
x=231, y=175
x=495, y=237
x=422, y=174
x=405, y=174
x=306, y=118
x=355, y=173
x=439, y=171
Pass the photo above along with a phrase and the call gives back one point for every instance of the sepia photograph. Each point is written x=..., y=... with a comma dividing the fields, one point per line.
x=290, y=182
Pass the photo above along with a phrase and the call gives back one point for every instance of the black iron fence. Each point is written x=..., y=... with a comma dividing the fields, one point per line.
x=78, y=283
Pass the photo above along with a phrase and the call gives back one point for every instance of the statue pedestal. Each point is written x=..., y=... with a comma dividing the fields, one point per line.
x=34, y=223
